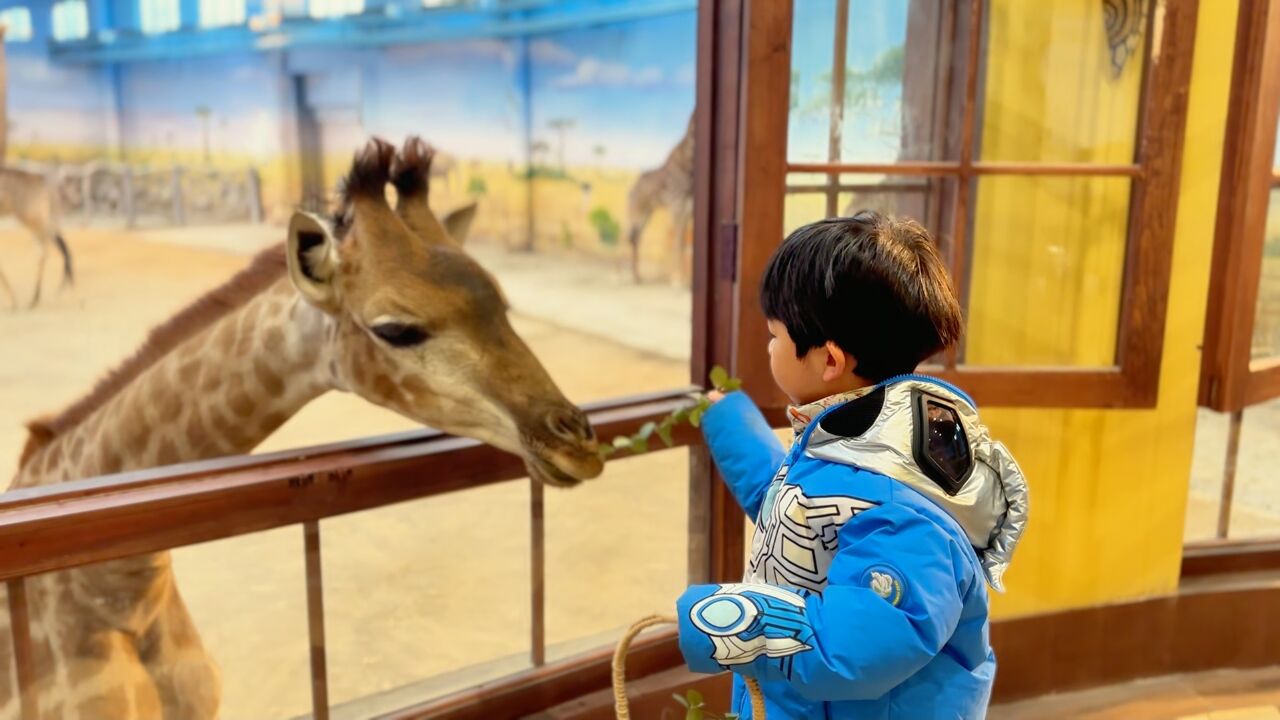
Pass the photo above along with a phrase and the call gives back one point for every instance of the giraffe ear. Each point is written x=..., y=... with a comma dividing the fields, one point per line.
x=458, y=223
x=313, y=260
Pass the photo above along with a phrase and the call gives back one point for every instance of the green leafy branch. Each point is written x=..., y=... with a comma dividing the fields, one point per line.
x=696, y=709
x=663, y=429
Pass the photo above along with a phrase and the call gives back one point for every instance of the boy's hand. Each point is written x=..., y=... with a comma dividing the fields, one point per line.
x=715, y=396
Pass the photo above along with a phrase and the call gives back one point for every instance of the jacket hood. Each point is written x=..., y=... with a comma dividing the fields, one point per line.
x=926, y=434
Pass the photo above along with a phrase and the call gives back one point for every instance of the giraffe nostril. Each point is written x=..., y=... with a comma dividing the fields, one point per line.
x=570, y=425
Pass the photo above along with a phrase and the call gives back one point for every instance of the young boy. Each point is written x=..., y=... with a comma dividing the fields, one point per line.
x=864, y=596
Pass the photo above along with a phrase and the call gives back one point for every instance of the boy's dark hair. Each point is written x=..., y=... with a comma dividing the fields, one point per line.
x=872, y=284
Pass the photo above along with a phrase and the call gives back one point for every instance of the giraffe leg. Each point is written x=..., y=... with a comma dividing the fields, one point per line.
x=44, y=257
x=638, y=221
x=8, y=289
x=68, y=275
x=113, y=683
x=679, y=246
x=184, y=673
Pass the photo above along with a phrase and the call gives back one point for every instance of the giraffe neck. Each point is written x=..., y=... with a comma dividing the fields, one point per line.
x=219, y=393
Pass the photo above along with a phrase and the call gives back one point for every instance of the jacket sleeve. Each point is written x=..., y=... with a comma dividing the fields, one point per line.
x=893, y=600
x=744, y=447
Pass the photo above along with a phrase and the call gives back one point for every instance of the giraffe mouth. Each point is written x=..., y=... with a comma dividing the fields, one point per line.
x=549, y=474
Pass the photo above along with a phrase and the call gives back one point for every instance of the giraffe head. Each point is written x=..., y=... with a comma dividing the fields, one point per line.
x=419, y=327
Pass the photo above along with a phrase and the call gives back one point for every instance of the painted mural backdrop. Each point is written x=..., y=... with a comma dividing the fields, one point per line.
x=548, y=132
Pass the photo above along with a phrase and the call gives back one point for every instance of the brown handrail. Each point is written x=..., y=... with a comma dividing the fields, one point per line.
x=108, y=518
x=106, y=484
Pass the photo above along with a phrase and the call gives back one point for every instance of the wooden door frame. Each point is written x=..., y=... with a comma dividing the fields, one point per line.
x=1230, y=379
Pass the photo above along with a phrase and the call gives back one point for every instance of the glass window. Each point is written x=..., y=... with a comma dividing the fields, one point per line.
x=221, y=13
x=17, y=23
x=875, y=106
x=159, y=16
x=1038, y=253
x=1046, y=270
x=1254, y=505
x=1062, y=81
x=1266, y=325
x=334, y=8
x=573, y=146
x=70, y=20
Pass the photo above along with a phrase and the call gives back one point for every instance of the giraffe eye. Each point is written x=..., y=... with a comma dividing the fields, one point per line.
x=400, y=334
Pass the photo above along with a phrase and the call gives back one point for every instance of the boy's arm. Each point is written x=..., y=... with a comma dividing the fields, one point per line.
x=744, y=447
x=893, y=600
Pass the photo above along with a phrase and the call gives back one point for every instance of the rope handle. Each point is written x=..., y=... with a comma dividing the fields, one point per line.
x=620, y=707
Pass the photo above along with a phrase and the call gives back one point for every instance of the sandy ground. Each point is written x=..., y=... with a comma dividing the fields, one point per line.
x=433, y=595
x=412, y=591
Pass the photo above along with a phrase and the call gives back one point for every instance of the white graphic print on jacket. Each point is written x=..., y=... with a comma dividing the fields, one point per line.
x=797, y=539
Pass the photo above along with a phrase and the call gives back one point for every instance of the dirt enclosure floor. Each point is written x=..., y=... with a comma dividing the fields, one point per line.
x=420, y=597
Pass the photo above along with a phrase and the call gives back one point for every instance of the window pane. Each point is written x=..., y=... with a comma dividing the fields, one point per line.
x=1046, y=266
x=426, y=597
x=248, y=602
x=892, y=110
x=617, y=550
x=244, y=599
x=1062, y=81
x=565, y=141
x=70, y=20
x=159, y=16
x=1255, y=506
x=335, y=8
x=928, y=200
x=1266, y=326
x=219, y=13
x=17, y=22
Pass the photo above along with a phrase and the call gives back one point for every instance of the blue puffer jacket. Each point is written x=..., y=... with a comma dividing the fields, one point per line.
x=865, y=594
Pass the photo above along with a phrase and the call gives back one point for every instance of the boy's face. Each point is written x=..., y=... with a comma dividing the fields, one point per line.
x=823, y=371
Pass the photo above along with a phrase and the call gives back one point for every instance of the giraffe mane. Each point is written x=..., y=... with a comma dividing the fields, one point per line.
x=266, y=268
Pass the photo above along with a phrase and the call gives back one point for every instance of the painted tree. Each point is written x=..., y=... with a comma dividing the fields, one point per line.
x=561, y=126
x=204, y=113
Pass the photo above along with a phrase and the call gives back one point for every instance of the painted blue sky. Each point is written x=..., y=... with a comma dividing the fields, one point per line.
x=628, y=88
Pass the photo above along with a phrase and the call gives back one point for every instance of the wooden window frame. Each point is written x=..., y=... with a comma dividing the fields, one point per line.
x=1230, y=380
x=1133, y=382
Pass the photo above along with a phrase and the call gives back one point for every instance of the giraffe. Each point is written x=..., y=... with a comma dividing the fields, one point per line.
x=378, y=301
x=669, y=186
x=31, y=199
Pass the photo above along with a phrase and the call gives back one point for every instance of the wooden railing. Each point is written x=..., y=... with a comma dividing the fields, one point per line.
x=111, y=517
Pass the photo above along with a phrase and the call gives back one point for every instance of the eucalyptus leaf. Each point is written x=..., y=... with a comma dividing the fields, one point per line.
x=646, y=430
x=719, y=377
x=664, y=433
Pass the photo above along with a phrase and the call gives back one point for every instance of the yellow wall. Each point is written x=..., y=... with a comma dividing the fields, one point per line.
x=1109, y=488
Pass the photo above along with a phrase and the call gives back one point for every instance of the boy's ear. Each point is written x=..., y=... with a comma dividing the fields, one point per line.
x=839, y=363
